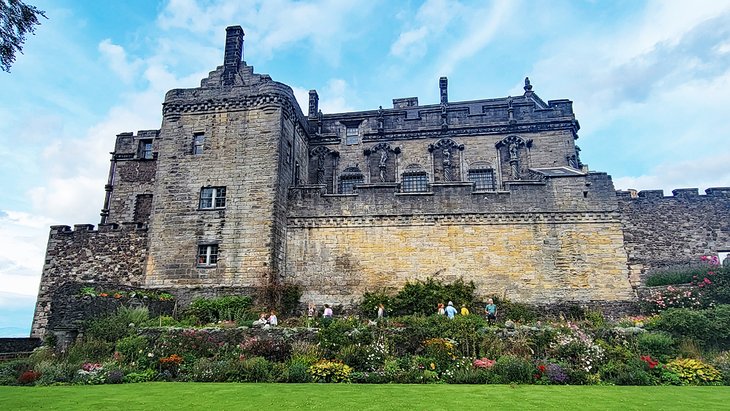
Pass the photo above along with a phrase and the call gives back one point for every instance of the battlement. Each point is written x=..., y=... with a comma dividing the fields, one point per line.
x=80, y=229
x=683, y=193
x=589, y=193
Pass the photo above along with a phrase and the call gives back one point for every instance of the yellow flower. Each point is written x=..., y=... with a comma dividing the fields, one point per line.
x=433, y=366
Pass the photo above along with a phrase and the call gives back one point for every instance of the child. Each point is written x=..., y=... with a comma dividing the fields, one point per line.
x=273, y=321
x=464, y=310
x=491, y=311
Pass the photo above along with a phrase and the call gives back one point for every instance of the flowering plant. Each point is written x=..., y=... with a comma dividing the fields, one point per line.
x=649, y=361
x=483, y=363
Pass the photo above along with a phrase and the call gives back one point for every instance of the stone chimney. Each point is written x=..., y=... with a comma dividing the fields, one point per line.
x=444, y=89
x=313, y=103
x=233, y=54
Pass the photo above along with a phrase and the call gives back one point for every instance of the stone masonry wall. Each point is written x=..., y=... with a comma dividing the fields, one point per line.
x=661, y=231
x=539, y=243
x=133, y=178
x=244, y=127
x=82, y=255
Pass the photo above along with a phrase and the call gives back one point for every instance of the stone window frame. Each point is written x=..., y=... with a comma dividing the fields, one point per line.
x=198, y=146
x=144, y=151
x=350, y=178
x=352, y=132
x=482, y=172
x=414, y=180
x=212, y=198
x=207, y=255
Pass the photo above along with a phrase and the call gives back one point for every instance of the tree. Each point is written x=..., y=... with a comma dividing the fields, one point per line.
x=16, y=20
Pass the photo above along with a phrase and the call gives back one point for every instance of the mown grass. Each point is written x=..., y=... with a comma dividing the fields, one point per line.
x=205, y=396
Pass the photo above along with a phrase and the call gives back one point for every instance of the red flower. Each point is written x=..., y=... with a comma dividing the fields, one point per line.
x=541, y=367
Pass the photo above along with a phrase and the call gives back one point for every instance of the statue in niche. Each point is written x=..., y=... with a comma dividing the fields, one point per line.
x=320, y=169
x=448, y=176
x=382, y=165
x=513, y=151
x=319, y=122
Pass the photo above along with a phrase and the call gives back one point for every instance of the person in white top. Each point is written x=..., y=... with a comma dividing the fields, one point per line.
x=272, y=319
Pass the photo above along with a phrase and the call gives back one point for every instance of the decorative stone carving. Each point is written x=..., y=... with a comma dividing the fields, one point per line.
x=381, y=168
x=322, y=165
x=381, y=120
x=446, y=159
x=511, y=146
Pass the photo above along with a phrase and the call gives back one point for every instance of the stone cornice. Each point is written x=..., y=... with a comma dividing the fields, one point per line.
x=455, y=219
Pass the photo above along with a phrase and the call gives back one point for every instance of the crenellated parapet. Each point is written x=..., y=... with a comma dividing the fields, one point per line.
x=112, y=254
x=671, y=230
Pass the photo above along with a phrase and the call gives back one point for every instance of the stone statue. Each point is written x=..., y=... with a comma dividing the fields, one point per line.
x=513, y=151
x=447, y=165
x=382, y=164
x=380, y=118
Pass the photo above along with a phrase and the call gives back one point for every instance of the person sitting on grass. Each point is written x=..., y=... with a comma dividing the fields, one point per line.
x=261, y=321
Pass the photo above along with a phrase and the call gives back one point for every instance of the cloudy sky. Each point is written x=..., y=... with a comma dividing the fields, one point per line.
x=649, y=81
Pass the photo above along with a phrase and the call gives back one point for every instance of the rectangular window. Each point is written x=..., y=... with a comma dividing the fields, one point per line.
x=347, y=185
x=483, y=179
x=414, y=183
x=145, y=149
x=352, y=135
x=198, y=141
x=207, y=255
x=212, y=197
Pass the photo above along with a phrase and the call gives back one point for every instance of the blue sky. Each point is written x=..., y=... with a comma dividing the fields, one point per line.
x=649, y=81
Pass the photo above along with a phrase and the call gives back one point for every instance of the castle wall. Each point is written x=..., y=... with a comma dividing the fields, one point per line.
x=661, y=231
x=110, y=255
x=538, y=243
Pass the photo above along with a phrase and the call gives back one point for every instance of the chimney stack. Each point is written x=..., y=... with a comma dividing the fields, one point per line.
x=313, y=103
x=444, y=87
x=233, y=53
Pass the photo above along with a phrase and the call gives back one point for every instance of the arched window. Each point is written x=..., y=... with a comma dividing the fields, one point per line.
x=349, y=179
x=414, y=179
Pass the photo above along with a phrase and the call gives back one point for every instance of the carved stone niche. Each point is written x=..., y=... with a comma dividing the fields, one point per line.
x=323, y=167
x=446, y=155
x=381, y=160
x=513, y=157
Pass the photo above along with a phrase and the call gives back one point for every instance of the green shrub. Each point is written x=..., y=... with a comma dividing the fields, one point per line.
x=342, y=332
x=210, y=310
x=719, y=291
x=132, y=349
x=133, y=315
x=89, y=350
x=305, y=352
x=510, y=369
x=694, y=372
x=632, y=372
x=678, y=274
x=420, y=297
x=296, y=371
x=657, y=345
x=256, y=369
x=355, y=356
x=471, y=376
x=709, y=327
x=11, y=370
x=329, y=371
x=492, y=345
x=41, y=354
x=55, y=372
x=518, y=312
x=210, y=370
x=142, y=376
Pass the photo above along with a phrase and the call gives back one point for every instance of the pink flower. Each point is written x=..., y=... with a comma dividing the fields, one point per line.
x=707, y=281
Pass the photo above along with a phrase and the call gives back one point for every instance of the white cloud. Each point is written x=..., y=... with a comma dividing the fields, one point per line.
x=116, y=58
x=410, y=44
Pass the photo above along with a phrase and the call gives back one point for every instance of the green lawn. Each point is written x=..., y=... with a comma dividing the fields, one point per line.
x=185, y=396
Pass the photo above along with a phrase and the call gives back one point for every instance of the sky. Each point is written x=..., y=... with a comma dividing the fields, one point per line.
x=649, y=81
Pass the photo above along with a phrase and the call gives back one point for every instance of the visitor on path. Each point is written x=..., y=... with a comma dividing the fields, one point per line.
x=327, y=311
x=440, y=309
x=311, y=311
x=450, y=310
x=273, y=321
x=491, y=311
x=464, y=310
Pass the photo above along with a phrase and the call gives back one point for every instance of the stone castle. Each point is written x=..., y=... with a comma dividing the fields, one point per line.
x=240, y=189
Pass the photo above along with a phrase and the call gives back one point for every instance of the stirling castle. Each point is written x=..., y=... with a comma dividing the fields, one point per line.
x=240, y=189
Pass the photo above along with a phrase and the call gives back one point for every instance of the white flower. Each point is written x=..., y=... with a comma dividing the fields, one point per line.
x=150, y=355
